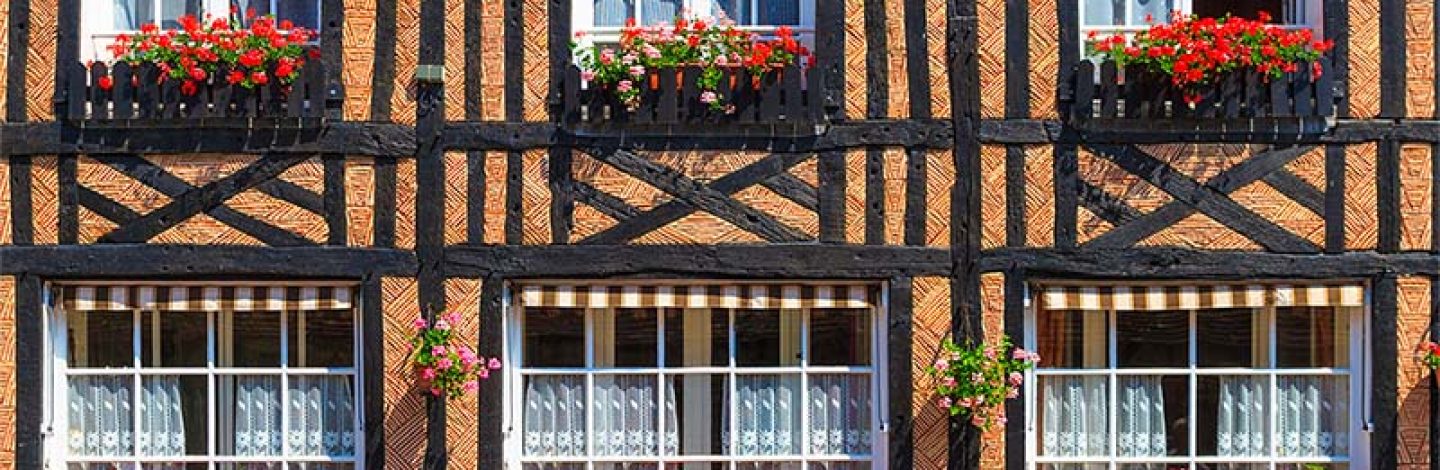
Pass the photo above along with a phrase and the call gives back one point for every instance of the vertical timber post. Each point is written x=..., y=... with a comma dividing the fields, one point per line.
x=430, y=202
x=964, y=73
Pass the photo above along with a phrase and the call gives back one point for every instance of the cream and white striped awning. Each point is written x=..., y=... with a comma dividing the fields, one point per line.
x=1183, y=297
x=205, y=298
x=741, y=296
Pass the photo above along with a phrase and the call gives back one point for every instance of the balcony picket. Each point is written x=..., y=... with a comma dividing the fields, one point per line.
x=672, y=96
x=1116, y=94
x=138, y=98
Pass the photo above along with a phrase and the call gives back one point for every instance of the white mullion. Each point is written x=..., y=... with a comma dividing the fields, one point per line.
x=734, y=392
x=660, y=387
x=210, y=347
x=284, y=381
x=589, y=388
x=1032, y=445
x=1194, y=381
x=804, y=387
x=356, y=381
x=1113, y=426
x=1273, y=398
x=135, y=394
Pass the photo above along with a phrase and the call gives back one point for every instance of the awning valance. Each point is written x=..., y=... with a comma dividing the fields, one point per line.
x=1182, y=297
x=740, y=296
x=205, y=298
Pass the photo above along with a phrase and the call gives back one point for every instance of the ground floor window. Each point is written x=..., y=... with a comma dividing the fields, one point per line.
x=648, y=376
x=1197, y=377
x=204, y=377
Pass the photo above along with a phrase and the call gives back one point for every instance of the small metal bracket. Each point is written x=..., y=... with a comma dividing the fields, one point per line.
x=430, y=73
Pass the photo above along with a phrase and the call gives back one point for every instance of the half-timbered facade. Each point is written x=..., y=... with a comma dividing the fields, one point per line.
x=229, y=280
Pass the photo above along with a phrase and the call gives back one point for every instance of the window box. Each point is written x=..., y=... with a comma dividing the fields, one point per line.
x=1106, y=93
x=135, y=98
x=792, y=95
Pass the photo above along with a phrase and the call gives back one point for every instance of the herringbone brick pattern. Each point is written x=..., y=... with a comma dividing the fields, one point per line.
x=7, y=373
x=404, y=406
x=992, y=311
x=45, y=198
x=1362, y=224
x=1416, y=193
x=495, y=189
x=405, y=202
x=931, y=311
x=360, y=201
x=536, y=200
x=1415, y=380
x=992, y=196
x=492, y=60
x=1364, y=58
x=1420, y=58
x=939, y=179
x=4, y=52
x=357, y=55
x=855, y=42
x=855, y=196
x=463, y=295
x=455, y=15
x=537, y=59
x=1039, y=196
x=457, y=182
x=896, y=172
x=992, y=57
x=407, y=57
x=5, y=229
x=40, y=61
x=1044, y=58
x=935, y=21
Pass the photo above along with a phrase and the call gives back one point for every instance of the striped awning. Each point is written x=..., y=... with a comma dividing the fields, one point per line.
x=205, y=298
x=1203, y=296
x=741, y=296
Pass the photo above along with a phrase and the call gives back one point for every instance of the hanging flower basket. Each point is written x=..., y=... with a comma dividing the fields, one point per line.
x=443, y=365
x=975, y=380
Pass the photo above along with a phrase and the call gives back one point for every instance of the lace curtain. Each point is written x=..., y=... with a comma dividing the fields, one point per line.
x=1076, y=410
x=322, y=415
x=771, y=12
x=839, y=414
x=1241, y=418
x=1313, y=416
x=615, y=12
x=554, y=415
x=767, y=415
x=257, y=415
x=162, y=423
x=1141, y=417
x=101, y=418
x=625, y=416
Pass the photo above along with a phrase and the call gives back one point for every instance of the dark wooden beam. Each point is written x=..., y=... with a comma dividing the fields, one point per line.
x=334, y=206
x=874, y=221
x=1114, y=210
x=1337, y=29
x=1335, y=198
x=715, y=261
x=373, y=381
x=69, y=210
x=180, y=136
x=514, y=197
x=332, y=34
x=189, y=261
x=1067, y=193
x=612, y=206
x=430, y=211
x=514, y=34
x=104, y=207
x=1277, y=131
x=1384, y=397
x=382, y=78
x=1014, y=326
x=562, y=200
x=1392, y=59
x=67, y=51
x=30, y=359
x=1298, y=190
x=384, y=216
x=963, y=67
x=474, y=61
x=22, y=215
x=294, y=194
x=917, y=189
x=1156, y=263
x=15, y=65
x=491, y=432
x=794, y=189
x=917, y=57
x=877, y=60
x=831, y=205
x=1068, y=16
x=830, y=56
x=475, y=198
x=899, y=357
x=1015, y=196
x=1017, y=58
x=1387, y=194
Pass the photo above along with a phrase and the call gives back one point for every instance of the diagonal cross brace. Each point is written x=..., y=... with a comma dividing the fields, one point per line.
x=188, y=200
x=715, y=195
x=1209, y=198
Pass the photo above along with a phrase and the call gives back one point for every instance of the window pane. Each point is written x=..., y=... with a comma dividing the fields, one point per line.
x=779, y=12
x=613, y=12
x=1073, y=466
x=171, y=10
x=626, y=408
x=322, y=416
x=1151, y=414
x=1311, y=337
x=554, y=337
x=1312, y=466
x=101, y=339
x=554, y=466
x=840, y=409
x=767, y=338
x=699, y=416
x=625, y=337
x=625, y=466
x=176, y=466
x=767, y=414
x=329, y=338
x=305, y=13
x=1313, y=416
x=102, y=415
x=1152, y=339
x=1073, y=416
x=840, y=337
x=840, y=465
x=1231, y=417
x=697, y=466
x=252, y=466
x=247, y=7
x=738, y=10
x=179, y=339
x=697, y=337
x=768, y=466
x=255, y=339
x=1233, y=466
x=1072, y=339
x=130, y=14
x=660, y=11
x=249, y=418
x=173, y=415
x=1104, y=12
x=1158, y=10
x=1231, y=338
x=321, y=466
x=554, y=415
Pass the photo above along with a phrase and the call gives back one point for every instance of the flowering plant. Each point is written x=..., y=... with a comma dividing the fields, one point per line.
x=254, y=55
x=1429, y=353
x=448, y=367
x=711, y=44
x=1193, y=50
x=975, y=380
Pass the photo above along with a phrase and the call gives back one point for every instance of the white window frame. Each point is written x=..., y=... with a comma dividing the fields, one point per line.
x=1359, y=389
x=514, y=345
x=582, y=19
x=1312, y=10
x=97, y=20
x=56, y=386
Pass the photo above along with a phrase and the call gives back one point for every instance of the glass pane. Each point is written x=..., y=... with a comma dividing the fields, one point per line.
x=173, y=415
x=625, y=337
x=1073, y=413
x=767, y=338
x=102, y=466
x=255, y=339
x=248, y=421
x=697, y=337
x=1312, y=337
x=767, y=414
x=840, y=465
x=554, y=337
x=1231, y=338
x=130, y=14
x=840, y=337
x=1158, y=11
x=1151, y=414
x=625, y=466
x=738, y=10
x=1152, y=339
x=1073, y=466
x=322, y=415
x=1313, y=415
x=840, y=410
x=1231, y=419
x=178, y=340
x=1312, y=466
x=696, y=415
x=660, y=11
x=779, y=12
x=305, y=13
x=176, y=466
x=1152, y=466
x=321, y=466
x=171, y=10
x=768, y=466
x=625, y=414
x=101, y=415
x=554, y=466
x=1072, y=339
x=613, y=12
x=101, y=339
x=554, y=415
x=697, y=466
x=1104, y=12
x=329, y=339
x=247, y=7
x=253, y=466
x=1232, y=466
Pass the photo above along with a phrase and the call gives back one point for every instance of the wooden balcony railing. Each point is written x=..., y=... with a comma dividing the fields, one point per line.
x=792, y=95
x=1115, y=94
x=137, y=98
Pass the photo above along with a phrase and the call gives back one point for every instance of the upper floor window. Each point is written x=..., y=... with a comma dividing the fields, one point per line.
x=1116, y=16
x=603, y=19
x=102, y=20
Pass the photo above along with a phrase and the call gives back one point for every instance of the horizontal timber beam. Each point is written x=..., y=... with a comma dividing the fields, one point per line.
x=72, y=261
x=1157, y=263
x=921, y=133
x=724, y=261
x=344, y=138
x=1034, y=131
